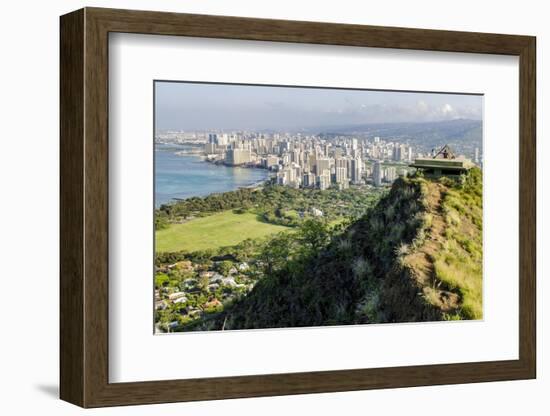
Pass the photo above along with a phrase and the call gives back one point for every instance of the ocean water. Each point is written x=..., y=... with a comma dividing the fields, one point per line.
x=187, y=176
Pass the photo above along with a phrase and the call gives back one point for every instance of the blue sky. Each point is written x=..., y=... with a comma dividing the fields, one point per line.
x=192, y=106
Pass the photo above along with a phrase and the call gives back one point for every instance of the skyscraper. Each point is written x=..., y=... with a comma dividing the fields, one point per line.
x=272, y=161
x=222, y=139
x=375, y=152
x=308, y=180
x=323, y=180
x=322, y=165
x=235, y=157
x=397, y=152
x=341, y=175
x=377, y=174
x=356, y=170
x=282, y=177
x=210, y=148
x=390, y=174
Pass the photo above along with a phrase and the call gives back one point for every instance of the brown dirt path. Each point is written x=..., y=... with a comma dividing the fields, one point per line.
x=421, y=261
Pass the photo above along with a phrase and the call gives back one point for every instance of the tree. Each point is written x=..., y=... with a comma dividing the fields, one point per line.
x=314, y=235
x=161, y=221
x=275, y=253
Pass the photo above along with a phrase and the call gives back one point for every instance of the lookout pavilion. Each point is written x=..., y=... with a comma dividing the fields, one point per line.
x=444, y=163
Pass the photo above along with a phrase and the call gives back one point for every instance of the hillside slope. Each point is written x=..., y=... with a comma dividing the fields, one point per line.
x=415, y=256
x=444, y=271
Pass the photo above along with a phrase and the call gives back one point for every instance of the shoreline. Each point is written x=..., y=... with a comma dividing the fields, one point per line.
x=253, y=186
x=253, y=183
x=199, y=152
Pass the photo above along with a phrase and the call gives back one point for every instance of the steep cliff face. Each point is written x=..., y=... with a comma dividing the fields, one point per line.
x=415, y=256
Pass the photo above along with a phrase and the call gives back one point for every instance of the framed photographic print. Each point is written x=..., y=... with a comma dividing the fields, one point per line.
x=255, y=207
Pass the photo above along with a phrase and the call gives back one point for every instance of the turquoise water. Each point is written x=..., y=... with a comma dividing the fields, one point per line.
x=187, y=176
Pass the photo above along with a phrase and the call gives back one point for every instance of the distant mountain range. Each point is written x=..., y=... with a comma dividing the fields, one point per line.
x=462, y=135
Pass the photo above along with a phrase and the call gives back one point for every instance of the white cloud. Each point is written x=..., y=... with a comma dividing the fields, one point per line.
x=447, y=109
x=422, y=106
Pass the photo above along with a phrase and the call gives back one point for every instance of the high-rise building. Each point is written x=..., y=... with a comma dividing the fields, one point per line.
x=396, y=152
x=323, y=180
x=476, y=155
x=341, y=175
x=297, y=172
x=210, y=148
x=291, y=174
x=340, y=163
x=400, y=152
x=235, y=157
x=222, y=139
x=377, y=174
x=308, y=180
x=322, y=165
x=286, y=158
x=356, y=170
x=272, y=161
x=282, y=177
x=375, y=152
x=312, y=161
x=390, y=174
x=285, y=146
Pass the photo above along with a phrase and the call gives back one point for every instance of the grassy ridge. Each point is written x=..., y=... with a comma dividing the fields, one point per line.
x=459, y=264
x=218, y=230
x=415, y=256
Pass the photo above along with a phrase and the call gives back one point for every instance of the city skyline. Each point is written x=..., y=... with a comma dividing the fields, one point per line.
x=207, y=106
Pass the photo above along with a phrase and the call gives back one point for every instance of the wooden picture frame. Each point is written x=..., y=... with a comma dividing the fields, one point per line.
x=84, y=207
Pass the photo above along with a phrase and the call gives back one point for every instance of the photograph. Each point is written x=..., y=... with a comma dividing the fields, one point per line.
x=290, y=206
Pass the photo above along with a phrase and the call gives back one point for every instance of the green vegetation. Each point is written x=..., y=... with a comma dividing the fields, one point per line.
x=217, y=230
x=211, y=252
x=328, y=276
x=444, y=263
x=279, y=205
x=193, y=289
x=459, y=264
x=411, y=254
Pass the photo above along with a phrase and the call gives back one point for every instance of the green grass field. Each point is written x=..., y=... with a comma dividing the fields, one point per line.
x=217, y=230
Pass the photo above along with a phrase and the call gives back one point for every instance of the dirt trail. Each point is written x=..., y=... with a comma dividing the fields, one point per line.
x=421, y=262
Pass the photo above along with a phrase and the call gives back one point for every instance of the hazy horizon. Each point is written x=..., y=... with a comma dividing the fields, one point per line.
x=207, y=106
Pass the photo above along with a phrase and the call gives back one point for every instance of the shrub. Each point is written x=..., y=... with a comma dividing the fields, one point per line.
x=161, y=280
